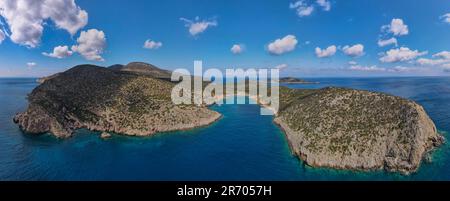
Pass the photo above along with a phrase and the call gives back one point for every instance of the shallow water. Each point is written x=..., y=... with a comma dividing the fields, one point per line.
x=241, y=146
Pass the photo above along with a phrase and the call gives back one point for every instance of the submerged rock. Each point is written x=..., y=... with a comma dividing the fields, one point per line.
x=354, y=129
x=105, y=135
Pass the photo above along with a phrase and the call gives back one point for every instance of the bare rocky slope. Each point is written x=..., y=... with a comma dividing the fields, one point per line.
x=353, y=129
x=102, y=99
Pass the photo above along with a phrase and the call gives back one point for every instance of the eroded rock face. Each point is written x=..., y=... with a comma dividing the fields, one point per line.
x=102, y=99
x=353, y=129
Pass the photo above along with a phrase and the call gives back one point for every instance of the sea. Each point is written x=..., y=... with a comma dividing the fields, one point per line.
x=241, y=146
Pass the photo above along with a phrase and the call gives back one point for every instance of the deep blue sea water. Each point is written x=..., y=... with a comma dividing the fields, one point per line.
x=241, y=146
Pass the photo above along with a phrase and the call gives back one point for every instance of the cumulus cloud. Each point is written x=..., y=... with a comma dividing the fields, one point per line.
x=282, y=45
x=354, y=51
x=401, y=54
x=150, y=44
x=391, y=41
x=237, y=49
x=397, y=27
x=2, y=36
x=431, y=62
x=366, y=68
x=352, y=63
x=441, y=58
x=281, y=66
x=91, y=44
x=443, y=55
x=446, y=18
x=302, y=8
x=26, y=18
x=328, y=52
x=59, y=52
x=326, y=5
x=198, y=26
x=31, y=64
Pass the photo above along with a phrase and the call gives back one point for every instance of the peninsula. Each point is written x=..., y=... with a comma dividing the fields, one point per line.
x=123, y=100
x=330, y=127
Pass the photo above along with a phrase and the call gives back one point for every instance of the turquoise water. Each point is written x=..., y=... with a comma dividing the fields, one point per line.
x=241, y=146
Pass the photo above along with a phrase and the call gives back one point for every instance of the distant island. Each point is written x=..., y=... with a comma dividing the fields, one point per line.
x=293, y=80
x=330, y=127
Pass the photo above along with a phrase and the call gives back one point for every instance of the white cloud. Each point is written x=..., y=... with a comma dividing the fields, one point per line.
x=354, y=51
x=91, y=44
x=352, y=63
x=431, y=62
x=397, y=27
x=401, y=54
x=2, y=36
x=443, y=55
x=391, y=41
x=302, y=8
x=281, y=66
x=26, y=18
x=446, y=18
x=283, y=45
x=366, y=68
x=237, y=48
x=441, y=58
x=326, y=5
x=59, y=52
x=328, y=52
x=150, y=44
x=196, y=26
x=31, y=64
x=402, y=69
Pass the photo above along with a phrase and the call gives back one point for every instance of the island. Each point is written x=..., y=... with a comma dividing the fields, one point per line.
x=108, y=100
x=293, y=80
x=331, y=127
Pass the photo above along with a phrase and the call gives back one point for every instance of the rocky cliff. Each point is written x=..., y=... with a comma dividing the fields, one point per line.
x=102, y=99
x=354, y=129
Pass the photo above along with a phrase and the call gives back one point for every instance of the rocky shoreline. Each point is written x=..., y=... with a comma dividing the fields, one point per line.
x=108, y=100
x=395, y=150
x=331, y=127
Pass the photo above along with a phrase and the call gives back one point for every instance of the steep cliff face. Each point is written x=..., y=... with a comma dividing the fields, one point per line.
x=101, y=99
x=353, y=129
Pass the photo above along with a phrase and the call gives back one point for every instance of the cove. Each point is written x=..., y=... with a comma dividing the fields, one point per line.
x=242, y=145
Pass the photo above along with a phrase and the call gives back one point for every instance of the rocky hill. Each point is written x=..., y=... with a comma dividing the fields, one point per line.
x=353, y=129
x=102, y=99
x=141, y=68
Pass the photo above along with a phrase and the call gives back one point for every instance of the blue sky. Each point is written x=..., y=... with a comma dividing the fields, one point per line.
x=115, y=32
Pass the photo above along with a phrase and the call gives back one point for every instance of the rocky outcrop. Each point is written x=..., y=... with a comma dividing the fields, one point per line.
x=102, y=99
x=105, y=135
x=353, y=129
x=43, y=79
